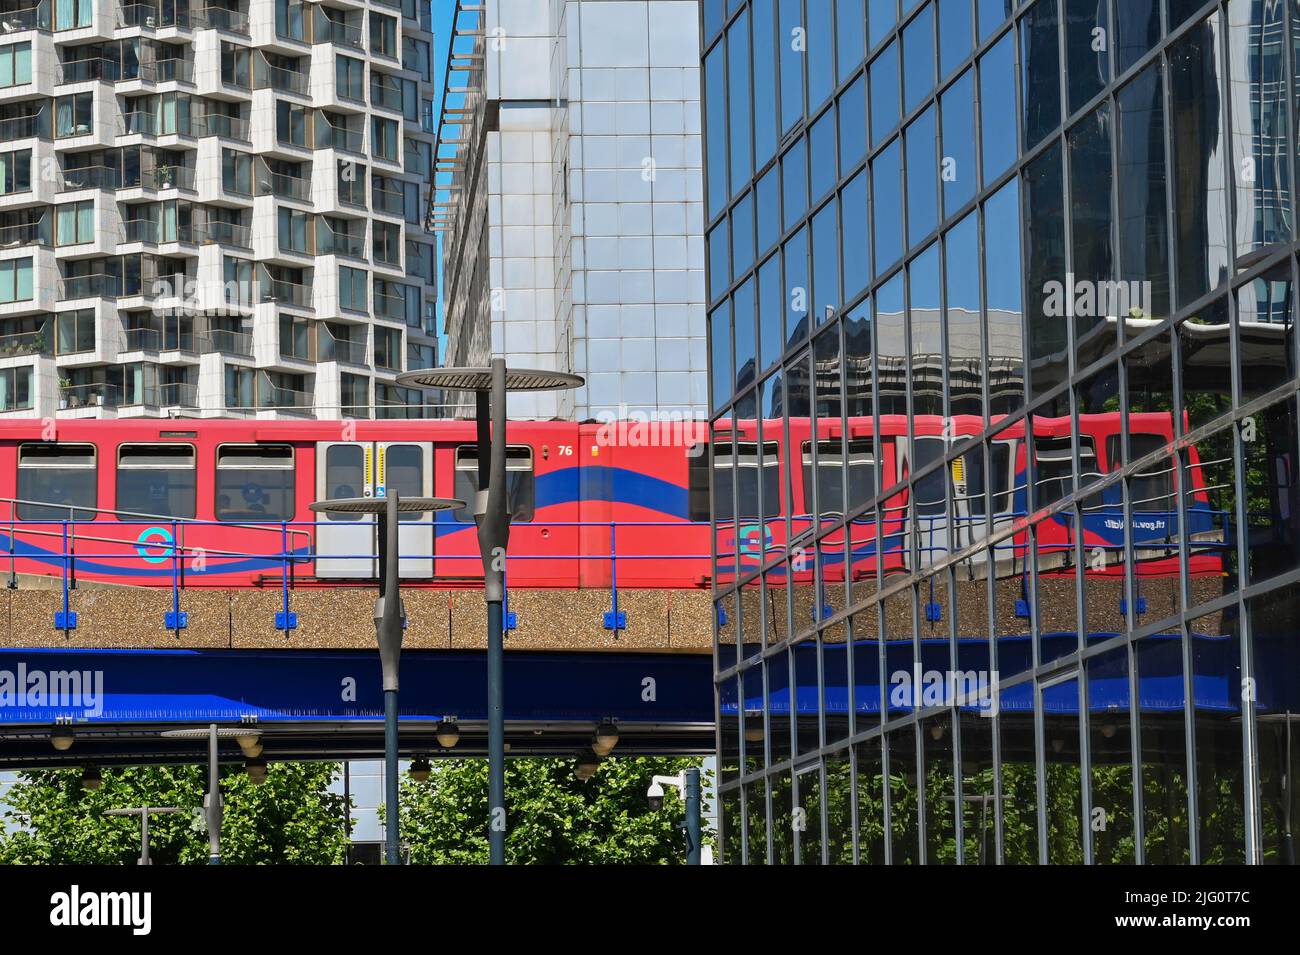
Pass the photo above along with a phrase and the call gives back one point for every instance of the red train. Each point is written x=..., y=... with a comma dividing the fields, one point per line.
x=225, y=503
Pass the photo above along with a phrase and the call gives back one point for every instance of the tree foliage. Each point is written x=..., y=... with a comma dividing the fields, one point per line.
x=552, y=817
x=292, y=818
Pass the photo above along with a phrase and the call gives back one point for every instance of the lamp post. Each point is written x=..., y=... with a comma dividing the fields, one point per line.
x=492, y=514
x=249, y=738
x=390, y=618
x=143, y=812
x=688, y=783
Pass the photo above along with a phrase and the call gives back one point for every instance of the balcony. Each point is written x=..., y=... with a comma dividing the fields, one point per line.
x=340, y=34
x=285, y=81
x=285, y=293
x=387, y=200
x=225, y=233
x=219, y=18
x=227, y=127
x=90, y=286
x=94, y=68
x=329, y=136
x=35, y=17
x=168, y=177
x=139, y=123
x=27, y=343
x=284, y=186
x=225, y=342
x=385, y=93
x=153, y=231
x=177, y=394
x=21, y=127
x=341, y=349
x=168, y=71
x=23, y=233
x=285, y=399
x=329, y=242
x=90, y=177
x=95, y=395
x=149, y=16
x=390, y=306
x=155, y=340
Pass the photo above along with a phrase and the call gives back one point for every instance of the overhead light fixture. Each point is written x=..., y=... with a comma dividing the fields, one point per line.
x=255, y=769
x=1058, y=744
x=62, y=740
x=420, y=769
x=606, y=738
x=447, y=732
x=936, y=731
x=1108, y=729
x=753, y=732
x=588, y=763
x=250, y=745
x=91, y=778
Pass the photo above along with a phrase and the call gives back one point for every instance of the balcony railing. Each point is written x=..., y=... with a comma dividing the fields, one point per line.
x=20, y=127
x=89, y=177
x=342, y=349
x=154, y=232
x=390, y=306
x=284, y=186
x=338, y=137
x=167, y=71
x=182, y=394
x=150, y=16
x=27, y=18
x=23, y=233
x=27, y=343
x=225, y=342
x=340, y=34
x=94, y=68
x=219, y=18
x=100, y=394
x=90, y=286
x=340, y=243
x=285, y=293
x=225, y=233
x=168, y=177
x=386, y=94
x=273, y=396
x=216, y=124
x=387, y=200
x=140, y=123
x=157, y=340
x=285, y=81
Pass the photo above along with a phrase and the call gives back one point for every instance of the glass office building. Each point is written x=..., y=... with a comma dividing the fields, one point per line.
x=1004, y=428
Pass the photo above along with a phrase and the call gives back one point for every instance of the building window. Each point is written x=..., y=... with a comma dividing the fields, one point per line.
x=16, y=388
x=15, y=172
x=75, y=331
x=290, y=123
x=354, y=395
x=387, y=240
x=15, y=64
x=239, y=388
x=236, y=172
x=75, y=223
x=72, y=14
x=293, y=230
x=520, y=490
x=352, y=289
x=383, y=137
x=16, y=280
x=388, y=348
x=73, y=115
x=349, y=77
x=62, y=476
x=157, y=479
x=255, y=483
x=289, y=20
x=352, y=183
x=383, y=35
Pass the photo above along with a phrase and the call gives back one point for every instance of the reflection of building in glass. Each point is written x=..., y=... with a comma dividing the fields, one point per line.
x=989, y=572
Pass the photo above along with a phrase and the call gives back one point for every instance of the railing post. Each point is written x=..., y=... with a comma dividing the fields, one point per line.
x=70, y=533
x=65, y=619
x=615, y=619
x=285, y=619
x=13, y=572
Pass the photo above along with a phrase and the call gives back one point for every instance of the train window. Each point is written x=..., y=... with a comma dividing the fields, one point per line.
x=745, y=460
x=973, y=471
x=931, y=491
x=1153, y=489
x=255, y=482
x=157, y=479
x=62, y=476
x=831, y=470
x=345, y=470
x=404, y=473
x=520, y=488
x=1054, y=464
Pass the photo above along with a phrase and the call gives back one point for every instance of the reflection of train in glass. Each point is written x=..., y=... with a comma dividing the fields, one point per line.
x=225, y=502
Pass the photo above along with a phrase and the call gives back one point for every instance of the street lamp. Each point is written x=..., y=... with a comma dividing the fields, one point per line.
x=143, y=812
x=212, y=799
x=688, y=783
x=492, y=514
x=389, y=620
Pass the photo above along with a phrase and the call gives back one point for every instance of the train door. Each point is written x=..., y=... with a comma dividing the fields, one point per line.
x=368, y=469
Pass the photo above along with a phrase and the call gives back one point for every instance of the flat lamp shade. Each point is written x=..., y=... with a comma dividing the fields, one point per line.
x=379, y=505
x=480, y=379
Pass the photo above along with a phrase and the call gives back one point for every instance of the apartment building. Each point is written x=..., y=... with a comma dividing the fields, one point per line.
x=572, y=202
x=215, y=210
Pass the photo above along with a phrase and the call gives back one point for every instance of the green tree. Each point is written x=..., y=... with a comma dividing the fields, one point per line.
x=552, y=817
x=291, y=818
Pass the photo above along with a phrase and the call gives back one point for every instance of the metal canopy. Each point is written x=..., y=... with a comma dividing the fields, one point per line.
x=379, y=505
x=204, y=732
x=480, y=379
